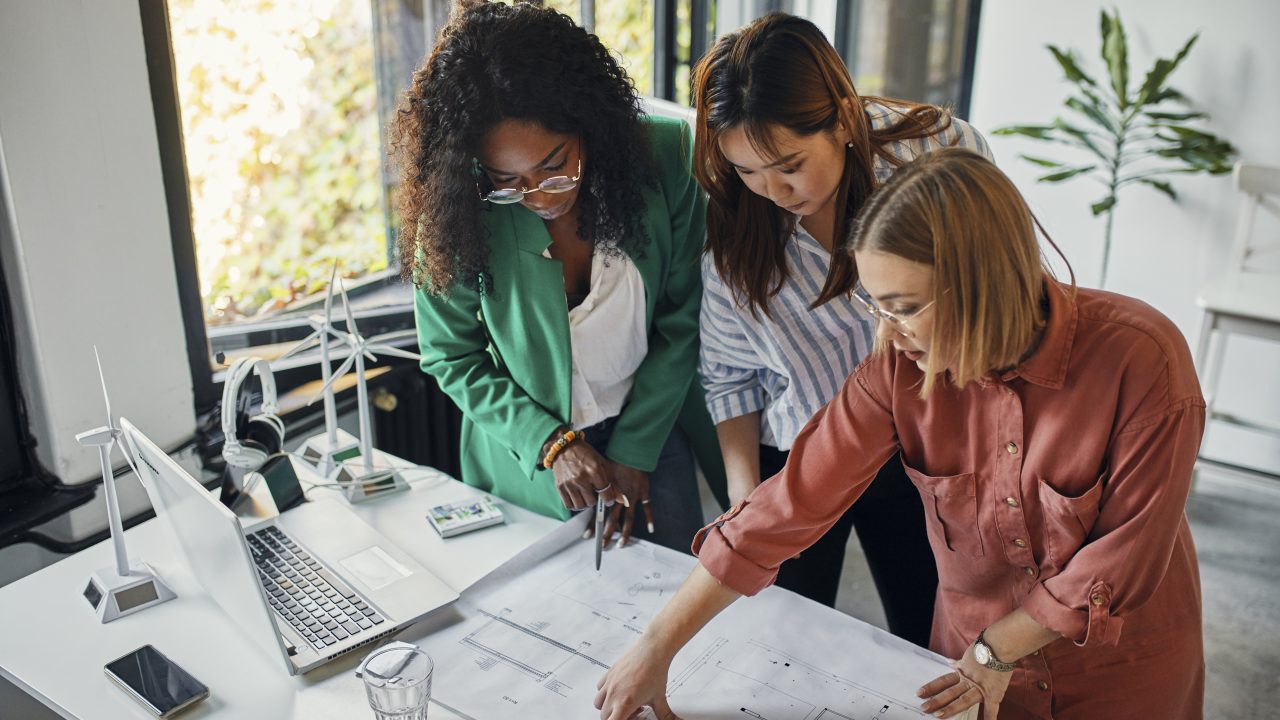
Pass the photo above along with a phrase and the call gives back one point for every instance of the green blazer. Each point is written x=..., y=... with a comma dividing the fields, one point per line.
x=504, y=356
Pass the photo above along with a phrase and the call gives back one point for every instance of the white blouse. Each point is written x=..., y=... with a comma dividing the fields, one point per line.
x=608, y=339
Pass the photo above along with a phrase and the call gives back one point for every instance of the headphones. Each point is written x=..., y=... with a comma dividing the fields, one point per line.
x=250, y=439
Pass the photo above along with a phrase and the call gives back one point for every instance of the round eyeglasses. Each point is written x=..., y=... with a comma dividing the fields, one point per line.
x=897, y=322
x=557, y=184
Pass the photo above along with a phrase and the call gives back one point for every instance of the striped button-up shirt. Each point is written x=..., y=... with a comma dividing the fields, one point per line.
x=791, y=364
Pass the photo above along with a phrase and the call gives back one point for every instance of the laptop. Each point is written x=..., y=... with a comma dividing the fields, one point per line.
x=308, y=585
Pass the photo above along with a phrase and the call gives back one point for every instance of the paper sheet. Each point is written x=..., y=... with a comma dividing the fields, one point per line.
x=543, y=629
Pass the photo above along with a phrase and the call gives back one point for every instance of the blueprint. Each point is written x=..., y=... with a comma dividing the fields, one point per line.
x=536, y=637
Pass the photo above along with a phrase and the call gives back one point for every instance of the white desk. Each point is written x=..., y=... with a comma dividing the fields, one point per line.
x=54, y=648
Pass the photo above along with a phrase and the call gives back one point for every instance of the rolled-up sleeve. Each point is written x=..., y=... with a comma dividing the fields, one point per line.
x=727, y=361
x=1140, y=517
x=831, y=463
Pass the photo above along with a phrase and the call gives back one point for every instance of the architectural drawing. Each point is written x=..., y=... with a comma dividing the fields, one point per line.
x=537, y=638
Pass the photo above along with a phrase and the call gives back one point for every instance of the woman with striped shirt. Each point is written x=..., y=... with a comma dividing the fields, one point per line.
x=789, y=152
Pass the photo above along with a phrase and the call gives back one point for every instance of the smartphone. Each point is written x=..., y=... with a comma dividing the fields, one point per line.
x=156, y=681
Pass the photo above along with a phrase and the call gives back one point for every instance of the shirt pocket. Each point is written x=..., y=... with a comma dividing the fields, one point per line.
x=1068, y=519
x=951, y=510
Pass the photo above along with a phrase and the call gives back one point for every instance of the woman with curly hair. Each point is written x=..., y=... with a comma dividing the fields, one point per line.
x=789, y=152
x=553, y=233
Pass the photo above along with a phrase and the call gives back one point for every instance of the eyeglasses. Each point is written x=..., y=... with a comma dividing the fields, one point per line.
x=557, y=184
x=897, y=322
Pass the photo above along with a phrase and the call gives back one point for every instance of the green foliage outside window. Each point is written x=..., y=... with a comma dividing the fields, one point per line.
x=280, y=128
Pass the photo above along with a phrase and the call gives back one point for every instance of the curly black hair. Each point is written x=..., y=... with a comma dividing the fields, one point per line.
x=495, y=62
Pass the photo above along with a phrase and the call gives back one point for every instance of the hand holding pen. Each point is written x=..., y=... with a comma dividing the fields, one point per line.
x=634, y=485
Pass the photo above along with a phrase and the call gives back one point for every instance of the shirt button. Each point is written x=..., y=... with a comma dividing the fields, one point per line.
x=1097, y=600
x=1011, y=502
x=1012, y=447
x=1020, y=542
x=1029, y=570
x=1036, y=653
x=1042, y=685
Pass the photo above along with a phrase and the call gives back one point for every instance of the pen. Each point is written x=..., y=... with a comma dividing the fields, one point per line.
x=599, y=528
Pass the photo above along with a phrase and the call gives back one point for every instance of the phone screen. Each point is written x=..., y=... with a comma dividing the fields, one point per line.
x=156, y=680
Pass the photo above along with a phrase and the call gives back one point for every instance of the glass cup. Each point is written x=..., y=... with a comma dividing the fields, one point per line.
x=397, y=680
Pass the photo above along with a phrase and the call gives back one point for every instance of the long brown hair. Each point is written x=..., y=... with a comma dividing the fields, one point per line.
x=957, y=213
x=780, y=71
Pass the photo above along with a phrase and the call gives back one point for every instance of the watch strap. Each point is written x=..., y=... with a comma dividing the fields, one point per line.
x=994, y=663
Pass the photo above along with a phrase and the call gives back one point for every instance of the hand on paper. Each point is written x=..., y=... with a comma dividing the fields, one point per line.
x=969, y=685
x=636, y=681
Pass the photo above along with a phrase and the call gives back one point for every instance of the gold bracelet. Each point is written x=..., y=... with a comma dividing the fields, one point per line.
x=560, y=444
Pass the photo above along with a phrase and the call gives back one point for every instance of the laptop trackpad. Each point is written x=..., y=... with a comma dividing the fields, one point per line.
x=375, y=568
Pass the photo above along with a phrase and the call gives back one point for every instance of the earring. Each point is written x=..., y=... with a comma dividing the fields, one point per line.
x=849, y=144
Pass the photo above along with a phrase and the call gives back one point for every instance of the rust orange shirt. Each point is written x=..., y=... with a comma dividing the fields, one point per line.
x=1057, y=487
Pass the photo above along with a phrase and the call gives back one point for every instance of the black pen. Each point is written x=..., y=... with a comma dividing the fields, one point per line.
x=599, y=528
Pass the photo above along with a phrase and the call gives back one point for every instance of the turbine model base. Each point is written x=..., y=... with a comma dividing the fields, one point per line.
x=113, y=596
x=325, y=460
x=359, y=484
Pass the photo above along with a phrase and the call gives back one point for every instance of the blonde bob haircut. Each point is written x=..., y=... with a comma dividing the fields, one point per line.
x=956, y=212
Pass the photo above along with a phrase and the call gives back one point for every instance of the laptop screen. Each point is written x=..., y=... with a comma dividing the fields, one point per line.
x=210, y=537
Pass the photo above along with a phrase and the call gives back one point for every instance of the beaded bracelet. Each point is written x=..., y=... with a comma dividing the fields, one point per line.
x=562, y=442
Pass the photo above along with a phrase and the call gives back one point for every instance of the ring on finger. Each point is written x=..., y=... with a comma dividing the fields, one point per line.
x=603, y=489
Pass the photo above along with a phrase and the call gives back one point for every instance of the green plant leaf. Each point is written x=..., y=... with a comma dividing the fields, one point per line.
x=1173, y=116
x=1162, y=186
x=1103, y=205
x=1167, y=93
x=1042, y=162
x=1081, y=138
x=1067, y=60
x=1065, y=174
x=1160, y=72
x=1115, y=50
x=1094, y=113
x=1039, y=132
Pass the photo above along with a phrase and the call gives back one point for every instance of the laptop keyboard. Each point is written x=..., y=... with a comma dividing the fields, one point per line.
x=322, y=608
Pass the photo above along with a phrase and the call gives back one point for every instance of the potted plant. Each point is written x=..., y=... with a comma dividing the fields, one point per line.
x=1128, y=128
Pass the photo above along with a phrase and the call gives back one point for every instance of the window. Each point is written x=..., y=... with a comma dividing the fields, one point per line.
x=275, y=112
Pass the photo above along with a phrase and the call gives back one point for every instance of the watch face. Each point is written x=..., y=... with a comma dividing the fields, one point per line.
x=981, y=653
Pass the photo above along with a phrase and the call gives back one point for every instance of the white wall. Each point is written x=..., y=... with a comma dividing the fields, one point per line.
x=87, y=250
x=1162, y=252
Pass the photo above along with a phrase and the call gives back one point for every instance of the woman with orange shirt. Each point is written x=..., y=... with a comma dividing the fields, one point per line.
x=1051, y=432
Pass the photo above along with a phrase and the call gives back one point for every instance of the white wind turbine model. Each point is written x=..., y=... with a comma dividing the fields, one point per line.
x=358, y=476
x=121, y=589
x=325, y=451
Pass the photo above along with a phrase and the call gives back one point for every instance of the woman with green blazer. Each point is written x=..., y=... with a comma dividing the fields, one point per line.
x=553, y=233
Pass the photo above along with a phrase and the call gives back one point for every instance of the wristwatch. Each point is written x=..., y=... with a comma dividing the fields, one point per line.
x=986, y=658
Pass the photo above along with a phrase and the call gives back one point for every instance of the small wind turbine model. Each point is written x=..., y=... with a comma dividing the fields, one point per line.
x=326, y=451
x=122, y=589
x=358, y=476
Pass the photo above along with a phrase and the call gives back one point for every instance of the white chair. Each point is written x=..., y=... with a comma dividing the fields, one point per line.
x=1243, y=301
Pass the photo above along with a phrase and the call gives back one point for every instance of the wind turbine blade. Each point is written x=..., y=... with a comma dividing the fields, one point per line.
x=394, y=337
x=395, y=352
x=346, y=305
x=328, y=298
x=303, y=344
x=342, y=370
x=102, y=379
